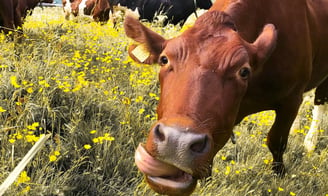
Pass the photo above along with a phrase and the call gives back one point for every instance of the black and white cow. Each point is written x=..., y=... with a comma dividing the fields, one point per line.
x=175, y=11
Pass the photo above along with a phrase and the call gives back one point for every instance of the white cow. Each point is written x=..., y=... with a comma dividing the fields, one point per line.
x=319, y=113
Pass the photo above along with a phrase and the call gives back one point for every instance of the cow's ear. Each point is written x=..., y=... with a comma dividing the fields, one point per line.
x=150, y=43
x=264, y=44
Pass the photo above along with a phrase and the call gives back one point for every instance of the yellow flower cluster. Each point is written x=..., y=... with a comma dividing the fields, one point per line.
x=101, y=139
x=23, y=178
x=54, y=156
x=265, y=118
x=26, y=134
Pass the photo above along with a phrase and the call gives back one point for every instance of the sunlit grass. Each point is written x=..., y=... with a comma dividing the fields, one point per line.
x=74, y=79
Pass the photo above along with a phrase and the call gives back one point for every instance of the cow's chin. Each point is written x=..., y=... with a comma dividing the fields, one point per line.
x=162, y=177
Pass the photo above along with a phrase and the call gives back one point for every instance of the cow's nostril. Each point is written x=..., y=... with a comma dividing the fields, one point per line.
x=159, y=134
x=199, y=145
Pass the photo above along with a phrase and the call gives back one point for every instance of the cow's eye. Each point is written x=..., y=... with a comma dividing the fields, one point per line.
x=244, y=72
x=163, y=60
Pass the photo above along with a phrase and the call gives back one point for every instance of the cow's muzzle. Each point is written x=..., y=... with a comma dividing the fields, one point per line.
x=174, y=158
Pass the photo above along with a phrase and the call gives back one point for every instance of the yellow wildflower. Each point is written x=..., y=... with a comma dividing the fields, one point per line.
x=30, y=90
x=228, y=169
x=57, y=153
x=26, y=190
x=31, y=138
x=23, y=177
x=19, y=136
x=2, y=110
x=52, y=158
x=87, y=146
x=95, y=140
x=33, y=126
x=108, y=137
x=93, y=131
x=44, y=83
x=266, y=161
x=139, y=99
x=126, y=101
x=141, y=111
x=106, y=92
x=13, y=81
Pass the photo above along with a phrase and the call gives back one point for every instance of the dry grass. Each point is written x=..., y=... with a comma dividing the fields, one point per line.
x=75, y=80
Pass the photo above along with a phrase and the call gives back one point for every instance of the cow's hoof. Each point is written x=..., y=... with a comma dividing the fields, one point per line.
x=279, y=169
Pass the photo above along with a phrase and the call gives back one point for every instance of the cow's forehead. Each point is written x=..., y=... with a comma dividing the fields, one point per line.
x=220, y=49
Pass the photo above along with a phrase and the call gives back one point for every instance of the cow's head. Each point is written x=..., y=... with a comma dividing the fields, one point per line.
x=75, y=6
x=204, y=75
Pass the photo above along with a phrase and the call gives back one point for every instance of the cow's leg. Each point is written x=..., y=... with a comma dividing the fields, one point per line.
x=320, y=106
x=311, y=137
x=7, y=15
x=278, y=135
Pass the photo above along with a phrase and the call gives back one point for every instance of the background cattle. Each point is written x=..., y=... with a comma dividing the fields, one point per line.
x=174, y=12
x=13, y=12
x=98, y=9
x=6, y=15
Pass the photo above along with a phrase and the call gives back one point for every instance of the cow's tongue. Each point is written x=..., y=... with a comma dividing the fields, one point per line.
x=162, y=177
x=153, y=167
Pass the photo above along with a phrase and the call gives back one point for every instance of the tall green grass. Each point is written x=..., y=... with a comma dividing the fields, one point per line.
x=73, y=79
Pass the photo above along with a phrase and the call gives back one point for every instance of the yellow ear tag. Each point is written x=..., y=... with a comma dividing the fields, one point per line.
x=140, y=53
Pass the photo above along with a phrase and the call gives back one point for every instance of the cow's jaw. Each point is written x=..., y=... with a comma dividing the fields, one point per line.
x=164, y=178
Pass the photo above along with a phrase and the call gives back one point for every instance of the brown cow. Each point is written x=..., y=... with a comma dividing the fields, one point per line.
x=101, y=11
x=6, y=16
x=98, y=9
x=241, y=57
x=13, y=12
x=72, y=7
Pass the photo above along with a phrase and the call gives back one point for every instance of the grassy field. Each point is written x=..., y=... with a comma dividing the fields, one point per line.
x=73, y=79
